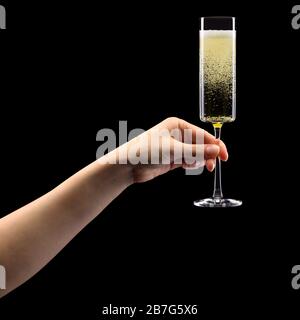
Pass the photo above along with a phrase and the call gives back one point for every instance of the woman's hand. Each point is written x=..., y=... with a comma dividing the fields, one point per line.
x=170, y=150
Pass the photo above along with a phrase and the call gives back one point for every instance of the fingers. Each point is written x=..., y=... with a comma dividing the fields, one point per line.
x=223, y=150
x=211, y=151
x=193, y=152
x=210, y=164
x=196, y=131
x=205, y=155
x=206, y=136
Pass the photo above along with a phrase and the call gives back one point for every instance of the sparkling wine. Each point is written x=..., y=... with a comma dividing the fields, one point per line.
x=217, y=76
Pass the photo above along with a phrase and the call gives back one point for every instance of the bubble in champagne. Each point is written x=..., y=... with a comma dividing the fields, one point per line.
x=217, y=75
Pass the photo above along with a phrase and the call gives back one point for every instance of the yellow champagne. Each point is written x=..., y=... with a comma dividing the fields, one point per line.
x=217, y=76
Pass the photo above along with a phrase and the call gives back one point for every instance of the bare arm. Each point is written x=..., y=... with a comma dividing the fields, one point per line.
x=32, y=235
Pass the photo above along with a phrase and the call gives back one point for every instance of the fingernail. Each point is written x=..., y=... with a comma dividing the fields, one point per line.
x=213, y=167
x=212, y=150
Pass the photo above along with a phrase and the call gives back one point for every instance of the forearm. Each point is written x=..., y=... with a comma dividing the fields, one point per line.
x=31, y=236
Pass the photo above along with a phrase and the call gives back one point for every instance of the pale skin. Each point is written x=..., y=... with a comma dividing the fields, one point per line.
x=32, y=235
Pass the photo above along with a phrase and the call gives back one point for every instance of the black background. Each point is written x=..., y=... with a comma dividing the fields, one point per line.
x=68, y=70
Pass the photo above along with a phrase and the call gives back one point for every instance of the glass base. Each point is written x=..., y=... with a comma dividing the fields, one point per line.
x=218, y=203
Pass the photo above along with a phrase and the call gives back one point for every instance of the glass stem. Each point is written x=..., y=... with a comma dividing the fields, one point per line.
x=218, y=195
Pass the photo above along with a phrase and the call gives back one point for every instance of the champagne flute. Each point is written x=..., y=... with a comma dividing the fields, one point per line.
x=217, y=88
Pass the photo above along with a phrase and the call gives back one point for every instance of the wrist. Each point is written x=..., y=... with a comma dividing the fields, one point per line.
x=120, y=169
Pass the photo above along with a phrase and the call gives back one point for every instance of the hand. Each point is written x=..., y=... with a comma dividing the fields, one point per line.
x=209, y=150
